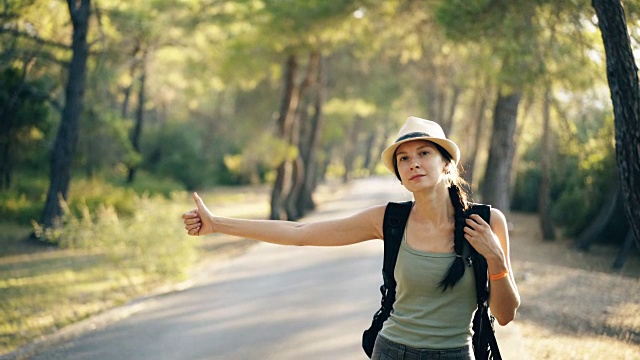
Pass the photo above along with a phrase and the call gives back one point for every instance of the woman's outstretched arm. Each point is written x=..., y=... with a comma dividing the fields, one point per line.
x=362, y=226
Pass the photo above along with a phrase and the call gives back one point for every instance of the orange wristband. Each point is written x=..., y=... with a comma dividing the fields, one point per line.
x=499, y=276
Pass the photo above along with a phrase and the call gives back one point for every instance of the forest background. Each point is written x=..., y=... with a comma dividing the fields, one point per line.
x=120, y=108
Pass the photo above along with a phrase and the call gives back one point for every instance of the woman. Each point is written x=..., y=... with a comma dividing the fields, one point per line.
x=435, y=294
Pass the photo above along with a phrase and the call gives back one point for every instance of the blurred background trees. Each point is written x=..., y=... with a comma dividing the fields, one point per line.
x=196, y=94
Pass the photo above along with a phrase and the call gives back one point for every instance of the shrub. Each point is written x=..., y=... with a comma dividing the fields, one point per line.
x=150, y=243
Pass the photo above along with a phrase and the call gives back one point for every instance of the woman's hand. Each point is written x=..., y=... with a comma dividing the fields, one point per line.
x=198, y=221
x=480, y=235
x=492, y=242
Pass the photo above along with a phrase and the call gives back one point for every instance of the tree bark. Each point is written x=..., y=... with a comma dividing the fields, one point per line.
x=5, y=167
x=544, y=194
x=623, y=253
x=369, y=145
x=351, y=149
x=305, y=201
x=137, y=130
x=300, y=132
x=622, y=74
x=66, y=141
x=285, y=118
x=447, y=121
x=133, y=66
x=497, y=179
x=595, y=228
x=472, y=157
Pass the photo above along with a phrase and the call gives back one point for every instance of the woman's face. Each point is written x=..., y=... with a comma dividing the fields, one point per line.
x=420, y=165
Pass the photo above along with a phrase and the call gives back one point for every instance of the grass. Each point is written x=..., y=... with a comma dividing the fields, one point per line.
x=102, y=261
x=108, y=255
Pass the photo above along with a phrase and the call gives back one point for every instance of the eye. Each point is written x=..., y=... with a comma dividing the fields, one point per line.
x=402, y=158
x=424, y=152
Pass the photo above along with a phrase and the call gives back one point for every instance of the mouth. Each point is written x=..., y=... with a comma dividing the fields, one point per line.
x=416, y=177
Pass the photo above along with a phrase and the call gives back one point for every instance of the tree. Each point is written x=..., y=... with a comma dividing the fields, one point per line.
x=496, y=187
x=23, y=111
x=544, y=197
x=63, y=151
x=286, y=122
x=511, y=33
x=622, y=74
x=309, y=29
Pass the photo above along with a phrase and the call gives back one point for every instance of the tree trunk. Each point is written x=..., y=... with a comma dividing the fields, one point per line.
x=300, y=132
x=626, y=248
x=8, y=123
x=622, y=75
x=124, y=111
x=369, y=145
x=497, y=179
x=66, y=141
x=305, y=202
x=351, y=149
x=137, y=130
x=544, y=195
x=472, y=157
x=593, y=231
x=376, y=148
x=5, y=168
x=284, y=119
x=447, y=121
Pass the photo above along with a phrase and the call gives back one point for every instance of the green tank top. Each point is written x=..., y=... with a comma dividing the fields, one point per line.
x=423, y=316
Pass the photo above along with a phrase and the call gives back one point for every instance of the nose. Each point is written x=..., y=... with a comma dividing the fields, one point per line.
x=415, y=165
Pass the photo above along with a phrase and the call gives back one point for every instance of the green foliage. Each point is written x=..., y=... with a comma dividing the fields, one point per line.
x=105, y=260
x=25, y=122
x=147, y=183
x=592, y=177
x=94, y=193
x=214, y=83
x=184, y=153
x=583, y=173
x=528, y=39
x=252, y=164
x=147, y=242
x=17, y=207
x=23, y=201
x=104, y=143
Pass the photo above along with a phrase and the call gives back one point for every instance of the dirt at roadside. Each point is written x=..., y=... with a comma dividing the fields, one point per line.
x=574, y=305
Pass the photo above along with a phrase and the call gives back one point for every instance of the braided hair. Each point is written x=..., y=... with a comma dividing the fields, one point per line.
x=459, y=200
x=457, y=268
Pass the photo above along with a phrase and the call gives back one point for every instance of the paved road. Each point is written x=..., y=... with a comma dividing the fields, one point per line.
x=274, y=302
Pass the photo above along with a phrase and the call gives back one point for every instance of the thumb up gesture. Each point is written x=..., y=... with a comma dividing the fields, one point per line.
x=198, y=221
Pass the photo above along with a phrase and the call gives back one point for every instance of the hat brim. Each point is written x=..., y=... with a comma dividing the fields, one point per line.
x=448, y=145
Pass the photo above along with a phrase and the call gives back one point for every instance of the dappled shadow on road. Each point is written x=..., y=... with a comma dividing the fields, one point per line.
x=577, y=302
x=312, y=303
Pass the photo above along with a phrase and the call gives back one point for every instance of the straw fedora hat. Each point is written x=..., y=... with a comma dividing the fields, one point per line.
x=419, y=129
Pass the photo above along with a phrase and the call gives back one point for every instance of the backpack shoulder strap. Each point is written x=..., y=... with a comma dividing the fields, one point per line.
x=395, y=220
x=478, y=262
x=484, y=341
x=481, y=209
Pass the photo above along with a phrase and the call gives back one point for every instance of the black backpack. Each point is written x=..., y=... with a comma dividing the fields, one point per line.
x=484, y=341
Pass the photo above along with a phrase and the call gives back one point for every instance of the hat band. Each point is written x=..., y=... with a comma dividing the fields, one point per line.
x=412, y=135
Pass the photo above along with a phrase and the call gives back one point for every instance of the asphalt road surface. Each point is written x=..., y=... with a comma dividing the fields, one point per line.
x=273, y=302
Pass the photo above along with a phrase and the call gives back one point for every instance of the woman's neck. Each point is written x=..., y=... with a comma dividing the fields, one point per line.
x=434, y=206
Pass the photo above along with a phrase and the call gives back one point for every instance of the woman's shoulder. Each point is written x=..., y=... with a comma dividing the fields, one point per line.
x=372, y=218
x=496, y=213
x=498, y=221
